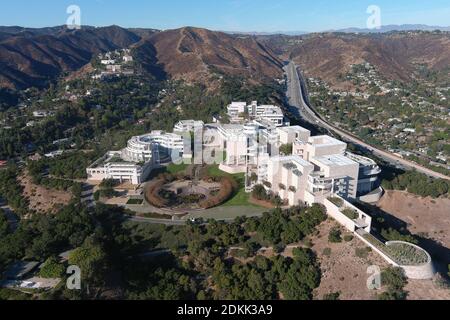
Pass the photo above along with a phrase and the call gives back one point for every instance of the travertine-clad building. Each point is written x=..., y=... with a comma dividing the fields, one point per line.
x=142, y=154
x=239, y=112
x=318, y=167
x=288, y=177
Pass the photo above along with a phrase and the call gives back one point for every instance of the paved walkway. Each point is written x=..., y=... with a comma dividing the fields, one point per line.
x=224, y=213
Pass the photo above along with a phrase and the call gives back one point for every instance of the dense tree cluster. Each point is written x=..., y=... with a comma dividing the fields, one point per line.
x=265, y=279
x=288, y=226
x=260, y=193
x=11, y=191
x=418, y=183
x=38, y=170
x=107, y=248
x=42, y=237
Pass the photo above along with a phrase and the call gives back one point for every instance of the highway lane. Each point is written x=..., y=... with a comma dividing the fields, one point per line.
x=297, y=98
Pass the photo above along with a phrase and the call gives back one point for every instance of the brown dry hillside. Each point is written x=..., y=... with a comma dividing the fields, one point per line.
x=192, y=54
x=31, y=60
x=31, y=57
x=395, y=55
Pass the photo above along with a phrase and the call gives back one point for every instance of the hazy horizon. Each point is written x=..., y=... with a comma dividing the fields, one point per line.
x=228, y=15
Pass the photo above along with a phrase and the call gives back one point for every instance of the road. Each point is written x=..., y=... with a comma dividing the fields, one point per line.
x=166, y=222
x=297, y=98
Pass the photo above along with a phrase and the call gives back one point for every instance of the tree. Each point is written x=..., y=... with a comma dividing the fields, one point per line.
x=259, y=192
x=395, y=281
x=52, y=269
x=91, y=259
x=4, y=225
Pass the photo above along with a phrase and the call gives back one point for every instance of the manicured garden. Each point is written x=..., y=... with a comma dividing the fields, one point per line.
x=406, y=255
x=402, y=253
x=240, y=198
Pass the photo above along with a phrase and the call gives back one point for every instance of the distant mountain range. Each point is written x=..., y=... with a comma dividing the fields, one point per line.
x=34, y=57
x=383, y=29
x=391, y=28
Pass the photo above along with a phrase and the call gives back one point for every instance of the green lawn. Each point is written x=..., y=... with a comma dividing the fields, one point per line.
x=241, y=198
x=172, y=168
x=176, y=168
x=135, y=201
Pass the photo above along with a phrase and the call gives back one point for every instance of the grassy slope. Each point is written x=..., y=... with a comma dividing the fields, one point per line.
x=241, y=198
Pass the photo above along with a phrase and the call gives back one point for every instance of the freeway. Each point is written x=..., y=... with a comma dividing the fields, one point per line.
x=298, y=99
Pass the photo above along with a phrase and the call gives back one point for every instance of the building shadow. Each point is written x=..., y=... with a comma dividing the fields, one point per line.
x=385, y=220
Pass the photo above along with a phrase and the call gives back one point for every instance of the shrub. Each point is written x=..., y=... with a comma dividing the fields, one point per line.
x=332, y=296
x=279, y=248
x=362, y=253
x=335, y=235
x=350, y=213
x=259, y=192
x=338, y=202
x=286, y=149
x=405, y=254
x=52, y=269
x=327, y=252
x=348, y=237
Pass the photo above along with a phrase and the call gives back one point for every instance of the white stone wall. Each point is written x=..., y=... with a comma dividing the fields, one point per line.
x=335, y=212
x=425, y=271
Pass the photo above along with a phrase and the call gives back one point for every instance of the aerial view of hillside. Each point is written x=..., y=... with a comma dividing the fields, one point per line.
x=227, y=159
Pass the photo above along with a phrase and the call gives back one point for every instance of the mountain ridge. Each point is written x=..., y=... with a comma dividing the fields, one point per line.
x=34, y=58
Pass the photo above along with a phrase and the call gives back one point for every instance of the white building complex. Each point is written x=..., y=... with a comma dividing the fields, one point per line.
x=318, y=170
x=142, y=154
x=240, y=111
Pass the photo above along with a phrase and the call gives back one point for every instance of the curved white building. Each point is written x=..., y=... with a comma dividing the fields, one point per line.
x=139, y=158
x=154, y=147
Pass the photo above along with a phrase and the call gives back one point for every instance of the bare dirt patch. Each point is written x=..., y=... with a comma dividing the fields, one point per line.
x=427, y=216
x=261, y=203
x=42, y=199
x=426, y=290
x=342, y=270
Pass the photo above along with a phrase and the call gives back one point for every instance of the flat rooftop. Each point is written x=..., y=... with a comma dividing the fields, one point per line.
x=292, y=159
x=294, y=129
x=325, y=141
x=335, y=160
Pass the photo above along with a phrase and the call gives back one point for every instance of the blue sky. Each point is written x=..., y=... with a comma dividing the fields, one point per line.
x=229, y=15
